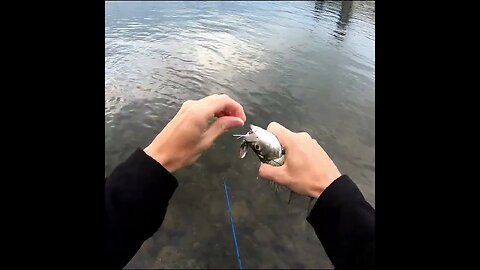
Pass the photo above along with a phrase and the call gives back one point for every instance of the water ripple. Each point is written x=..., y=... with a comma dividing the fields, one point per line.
x=308, y=65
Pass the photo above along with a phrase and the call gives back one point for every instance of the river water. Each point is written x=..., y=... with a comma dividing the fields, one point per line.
x=307, y=65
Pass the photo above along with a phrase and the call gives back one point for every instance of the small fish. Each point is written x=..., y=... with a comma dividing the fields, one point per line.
x=265, y=145
x=268, y=149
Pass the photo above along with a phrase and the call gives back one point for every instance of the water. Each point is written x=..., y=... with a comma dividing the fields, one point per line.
x=307, y=65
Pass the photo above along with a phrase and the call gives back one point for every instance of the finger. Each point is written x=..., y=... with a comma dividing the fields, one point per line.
x=304, y=135
x=219, y=127
x=223, y=105
x=220, y=114
x=273, y=173
x=283, y=134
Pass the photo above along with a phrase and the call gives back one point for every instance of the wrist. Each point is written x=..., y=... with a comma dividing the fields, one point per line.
x=324, y=183
x=161, y=158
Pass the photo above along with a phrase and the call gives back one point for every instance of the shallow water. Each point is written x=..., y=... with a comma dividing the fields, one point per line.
x=307, y=65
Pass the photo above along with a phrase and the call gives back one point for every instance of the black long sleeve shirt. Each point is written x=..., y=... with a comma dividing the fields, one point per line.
x=138, y=191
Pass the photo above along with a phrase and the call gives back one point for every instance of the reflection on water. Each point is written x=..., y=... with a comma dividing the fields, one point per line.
x=343, y=15
x=307, y=65
x=343, y=19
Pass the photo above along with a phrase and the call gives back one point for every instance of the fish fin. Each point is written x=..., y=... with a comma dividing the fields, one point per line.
x=292, y=196
x=273, y=185
x=310, y=199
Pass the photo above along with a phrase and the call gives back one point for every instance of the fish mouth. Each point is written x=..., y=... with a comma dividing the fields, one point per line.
x=250, y=136
x=243, y=149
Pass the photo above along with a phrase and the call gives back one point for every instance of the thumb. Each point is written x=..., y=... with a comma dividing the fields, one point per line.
x=282, y=133
x=220, y=126
x=272, y=173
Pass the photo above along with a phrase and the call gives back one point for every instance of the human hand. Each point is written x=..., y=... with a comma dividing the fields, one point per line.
x=308, y=170
x=188, y=134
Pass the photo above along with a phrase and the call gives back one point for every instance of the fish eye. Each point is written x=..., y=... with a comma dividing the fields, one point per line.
x=257, y=146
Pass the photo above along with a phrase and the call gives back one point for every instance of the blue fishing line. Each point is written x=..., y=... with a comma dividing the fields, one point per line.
x=233, y=227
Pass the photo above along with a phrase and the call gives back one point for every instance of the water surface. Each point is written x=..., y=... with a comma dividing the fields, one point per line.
x=307, y=65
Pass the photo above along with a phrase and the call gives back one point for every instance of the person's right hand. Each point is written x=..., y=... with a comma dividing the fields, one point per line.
x=189, y=134
x=308, y=170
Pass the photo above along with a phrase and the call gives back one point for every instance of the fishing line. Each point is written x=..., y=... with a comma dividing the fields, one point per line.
x=233, y=227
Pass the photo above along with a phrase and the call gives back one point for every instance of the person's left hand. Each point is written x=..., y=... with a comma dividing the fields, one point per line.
x=188, y=134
